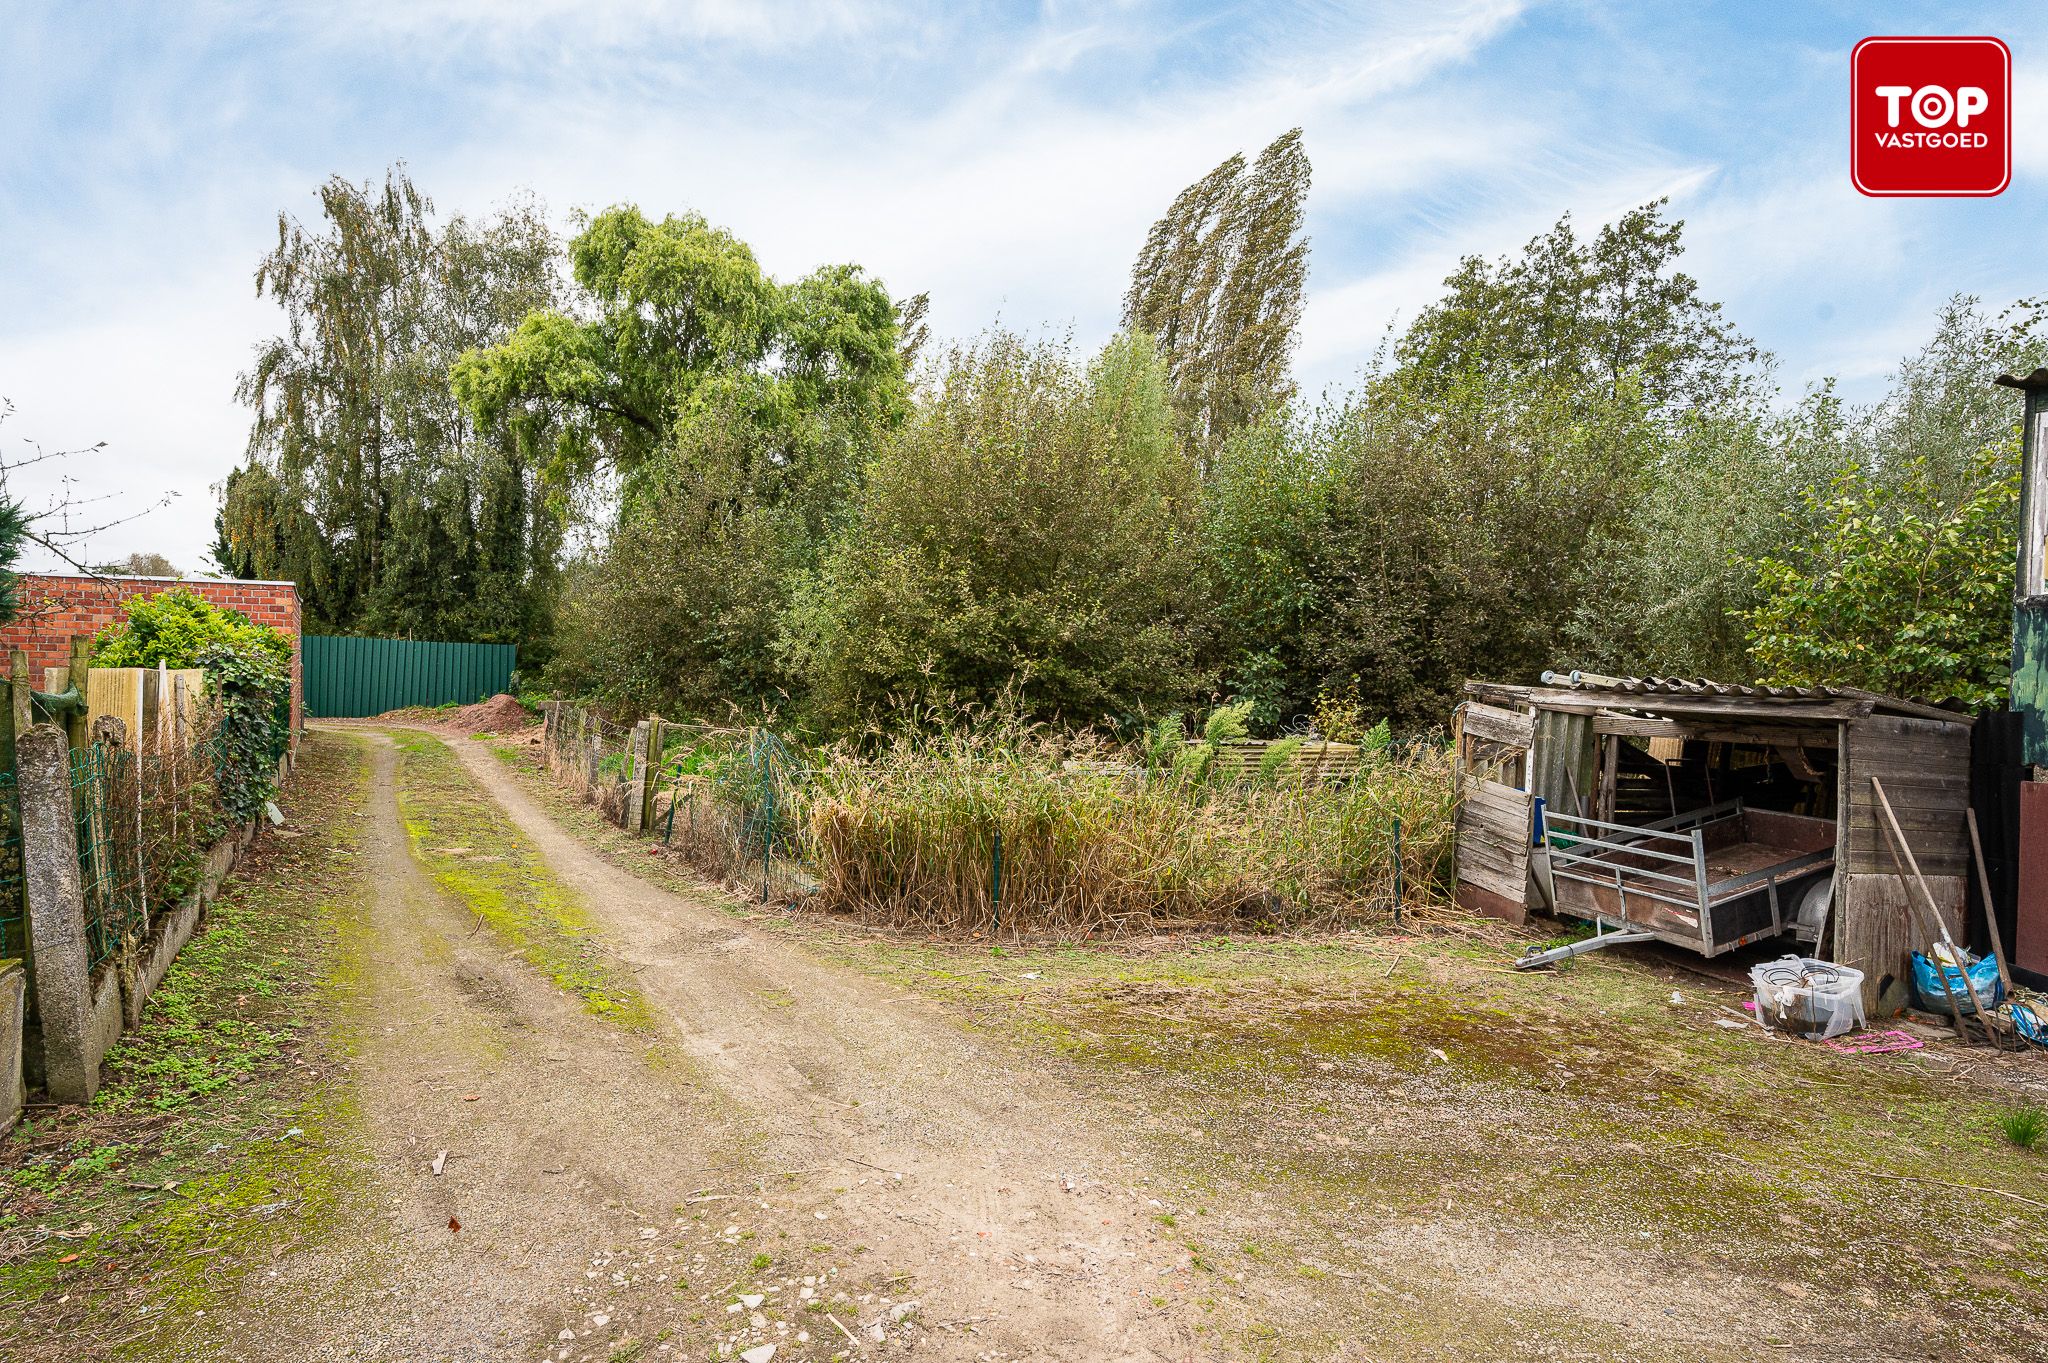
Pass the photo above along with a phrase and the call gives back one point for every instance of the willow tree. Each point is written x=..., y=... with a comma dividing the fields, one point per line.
x=365, y=479
x=1219, y=284
x=673, y=315
x=733, y=414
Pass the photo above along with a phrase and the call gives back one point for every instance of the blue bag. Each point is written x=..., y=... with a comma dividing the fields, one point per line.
x=2029, y=1024
x=1927, y=983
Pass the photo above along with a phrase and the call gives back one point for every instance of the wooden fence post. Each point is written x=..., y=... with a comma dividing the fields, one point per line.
x=56, y=905
x=76, y=727
x=657, y=740
x=17, y=672
x=636, y=784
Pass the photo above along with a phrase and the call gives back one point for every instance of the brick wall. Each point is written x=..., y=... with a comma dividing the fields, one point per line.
x=55, y=606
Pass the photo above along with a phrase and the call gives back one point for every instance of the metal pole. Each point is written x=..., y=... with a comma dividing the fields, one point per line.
x=995, y=889
x=1399, y=887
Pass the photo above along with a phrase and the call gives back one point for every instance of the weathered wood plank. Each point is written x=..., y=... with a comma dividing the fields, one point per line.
x=1497, y=725
x=1498, y=801
x=1874, y=930
x=1503, y=883
x=1480, y=851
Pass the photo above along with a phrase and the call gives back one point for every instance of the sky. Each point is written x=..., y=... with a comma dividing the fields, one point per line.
x=1006, y=158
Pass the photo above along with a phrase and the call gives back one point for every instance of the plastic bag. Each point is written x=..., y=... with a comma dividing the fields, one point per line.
x=1927, y=983
x=2029, y=1024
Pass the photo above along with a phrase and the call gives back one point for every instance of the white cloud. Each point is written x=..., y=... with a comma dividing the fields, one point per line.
x=155, y=382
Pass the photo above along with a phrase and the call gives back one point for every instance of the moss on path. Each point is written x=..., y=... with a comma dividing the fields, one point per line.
x=469, y=848
x=220, y=1137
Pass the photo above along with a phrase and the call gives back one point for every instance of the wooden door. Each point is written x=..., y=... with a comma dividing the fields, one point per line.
x=1495, y=813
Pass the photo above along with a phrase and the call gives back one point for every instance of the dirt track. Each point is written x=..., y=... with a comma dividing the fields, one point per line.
x=743, y=1143
x=894, y=1170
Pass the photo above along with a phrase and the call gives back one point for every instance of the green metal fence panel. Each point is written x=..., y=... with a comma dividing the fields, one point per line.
x=347, y=678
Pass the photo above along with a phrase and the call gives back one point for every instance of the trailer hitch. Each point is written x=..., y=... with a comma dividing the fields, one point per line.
x=1536, y=957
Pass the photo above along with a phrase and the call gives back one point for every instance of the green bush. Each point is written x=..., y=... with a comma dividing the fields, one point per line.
x=1894, y=596
x=1028, y=533
x=175, y=627
x=248, y=678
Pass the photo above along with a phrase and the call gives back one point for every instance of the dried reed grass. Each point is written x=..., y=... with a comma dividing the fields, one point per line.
x=1090, y=844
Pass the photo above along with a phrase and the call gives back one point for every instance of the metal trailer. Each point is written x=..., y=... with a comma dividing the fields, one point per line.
x=1709, y=879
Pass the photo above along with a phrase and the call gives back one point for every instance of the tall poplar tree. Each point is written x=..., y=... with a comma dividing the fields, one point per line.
x=1218, y=284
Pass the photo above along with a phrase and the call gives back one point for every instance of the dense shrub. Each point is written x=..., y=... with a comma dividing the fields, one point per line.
x=1895, y=599
x=1030, y=532
x=248, y=679
x=1400, y=541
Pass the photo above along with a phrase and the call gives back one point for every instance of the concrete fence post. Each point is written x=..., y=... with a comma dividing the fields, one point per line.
x=13, y=1092
x=59, y=952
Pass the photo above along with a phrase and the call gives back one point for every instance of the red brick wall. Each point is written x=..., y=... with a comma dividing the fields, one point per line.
x=55, y=606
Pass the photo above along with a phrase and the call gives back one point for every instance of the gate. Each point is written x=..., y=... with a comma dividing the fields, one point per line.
x=348, y=678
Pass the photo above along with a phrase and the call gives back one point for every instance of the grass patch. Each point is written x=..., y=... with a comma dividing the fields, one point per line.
x=471, y=850
x=216, y=1140
x=2024, y=1126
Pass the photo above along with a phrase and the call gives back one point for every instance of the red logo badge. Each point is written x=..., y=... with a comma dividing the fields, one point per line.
x=1930, y=117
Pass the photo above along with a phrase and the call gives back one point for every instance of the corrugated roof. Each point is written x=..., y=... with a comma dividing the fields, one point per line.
x=1696, y=686
x=1702, y=688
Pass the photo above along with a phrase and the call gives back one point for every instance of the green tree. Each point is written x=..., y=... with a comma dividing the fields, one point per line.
x=1266, y=514
x=1892, y=599
x=736, y=414
x=1591, y=317
x=1474, y=531
x=681, y=317
x=365, y=477
x=1029, y=532
x=1219, y=283
x=1727, y=490
x=1942, y=410
x=679, y=610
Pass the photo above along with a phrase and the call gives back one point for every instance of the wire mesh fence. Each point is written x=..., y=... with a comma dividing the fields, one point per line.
x=144, y=818
x=724, y=798
x=727, y=801
x=102, y=788
x=13, y=907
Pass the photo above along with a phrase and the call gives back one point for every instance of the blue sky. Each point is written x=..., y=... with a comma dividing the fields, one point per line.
x=1006, y=158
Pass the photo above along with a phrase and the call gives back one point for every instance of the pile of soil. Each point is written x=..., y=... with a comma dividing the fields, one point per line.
x=499, y=715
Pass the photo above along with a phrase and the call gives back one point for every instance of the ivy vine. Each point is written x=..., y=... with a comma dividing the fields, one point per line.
x=252, y=688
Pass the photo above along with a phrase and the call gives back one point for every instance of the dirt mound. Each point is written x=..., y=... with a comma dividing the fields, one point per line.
x=499, y=715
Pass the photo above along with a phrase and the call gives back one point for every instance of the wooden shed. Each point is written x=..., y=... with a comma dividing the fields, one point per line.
x=1713, y=815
